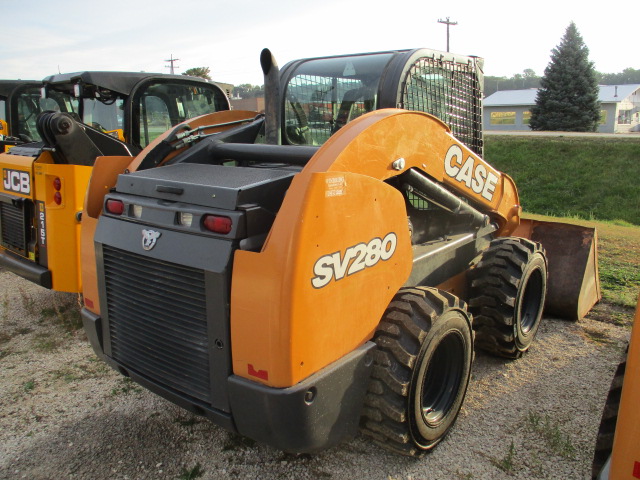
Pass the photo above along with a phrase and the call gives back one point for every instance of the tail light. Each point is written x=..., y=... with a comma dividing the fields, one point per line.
x=217, y=224
x=115, y=207
x=57, y=196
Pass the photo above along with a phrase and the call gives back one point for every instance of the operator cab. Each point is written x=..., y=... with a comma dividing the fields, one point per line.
x=321, y=95
x=132, y=106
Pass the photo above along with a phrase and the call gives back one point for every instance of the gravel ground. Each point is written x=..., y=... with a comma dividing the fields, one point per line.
x=63, y=414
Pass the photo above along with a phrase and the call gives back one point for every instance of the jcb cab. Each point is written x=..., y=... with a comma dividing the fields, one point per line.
x=88, y=114
x=20, y=103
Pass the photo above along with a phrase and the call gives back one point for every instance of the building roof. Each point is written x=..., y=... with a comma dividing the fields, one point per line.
x=528, y=97
x=616, y=93
x=511, y=97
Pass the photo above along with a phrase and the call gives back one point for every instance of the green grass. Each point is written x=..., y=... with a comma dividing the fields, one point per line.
x=506, y=464
x=587, y=178
x=125, y=386
x=66, y=315
x=558, y=442
x=46, y=342
x=191, y=473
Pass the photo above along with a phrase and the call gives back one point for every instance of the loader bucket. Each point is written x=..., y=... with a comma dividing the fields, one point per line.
x=574, y=285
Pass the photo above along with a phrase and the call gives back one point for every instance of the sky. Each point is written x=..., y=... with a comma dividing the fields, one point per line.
x=41, y=38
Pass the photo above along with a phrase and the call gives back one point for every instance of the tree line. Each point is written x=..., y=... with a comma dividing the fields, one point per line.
x=529, y=79
x=519, y=81
x=567, y=96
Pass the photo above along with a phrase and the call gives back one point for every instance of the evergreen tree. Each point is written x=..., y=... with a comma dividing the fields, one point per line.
x=568, y=97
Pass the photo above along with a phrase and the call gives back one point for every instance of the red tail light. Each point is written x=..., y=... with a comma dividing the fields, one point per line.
x=57, y=198
x=217, y=224
x=57, y=184
x=115, y=207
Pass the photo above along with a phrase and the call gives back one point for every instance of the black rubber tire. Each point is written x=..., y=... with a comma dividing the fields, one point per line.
x=507, y=292
x=421, y=370
x=604, y=439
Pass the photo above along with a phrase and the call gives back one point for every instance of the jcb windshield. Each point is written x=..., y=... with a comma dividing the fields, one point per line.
x=163, y=105
x=323, y=95
x=106, y=116
x=29, y=104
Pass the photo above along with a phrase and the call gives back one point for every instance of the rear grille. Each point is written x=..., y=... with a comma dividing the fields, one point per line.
x=157, y=321
x=14, y=227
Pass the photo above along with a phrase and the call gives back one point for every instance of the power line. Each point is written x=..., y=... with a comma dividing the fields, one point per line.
x=171, y=61
x=447, y=23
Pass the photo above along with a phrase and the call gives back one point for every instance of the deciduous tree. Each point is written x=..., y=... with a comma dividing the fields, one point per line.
x=202, y=72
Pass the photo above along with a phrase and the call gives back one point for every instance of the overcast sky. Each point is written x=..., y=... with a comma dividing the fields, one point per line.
x=40, y=38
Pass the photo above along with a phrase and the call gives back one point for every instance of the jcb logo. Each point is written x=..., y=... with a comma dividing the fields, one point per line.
x=354, y=260
x=16, y=181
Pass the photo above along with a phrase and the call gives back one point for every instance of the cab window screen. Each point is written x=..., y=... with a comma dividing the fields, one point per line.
x=450, y=91
x=324, y=95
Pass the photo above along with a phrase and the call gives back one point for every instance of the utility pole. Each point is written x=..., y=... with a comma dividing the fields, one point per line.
x=447, y=23
x=172, y=61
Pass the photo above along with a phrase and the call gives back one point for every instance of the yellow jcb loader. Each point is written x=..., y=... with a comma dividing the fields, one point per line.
x=19, y=106
x=323, y=266
x=87, y=114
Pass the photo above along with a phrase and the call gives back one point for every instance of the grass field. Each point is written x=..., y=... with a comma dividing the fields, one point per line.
x=589, y=178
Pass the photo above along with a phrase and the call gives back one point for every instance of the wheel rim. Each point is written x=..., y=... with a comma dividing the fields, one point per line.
x=442, y=378
x=531, y=303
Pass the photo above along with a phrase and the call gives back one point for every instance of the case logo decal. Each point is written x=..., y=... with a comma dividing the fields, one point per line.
x=355, y=259
x=16, y=181
x=149, y=239
x=474, y=175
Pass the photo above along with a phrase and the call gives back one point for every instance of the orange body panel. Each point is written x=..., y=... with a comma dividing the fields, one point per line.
x=625, y=460
x=103, y=177
x=287, y=320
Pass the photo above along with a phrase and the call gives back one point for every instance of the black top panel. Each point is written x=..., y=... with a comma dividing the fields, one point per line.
x=7, y=86
x=214, y=186
x=121, y=82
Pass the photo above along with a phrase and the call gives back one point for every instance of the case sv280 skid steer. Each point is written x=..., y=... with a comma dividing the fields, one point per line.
x=87, y=114
x=290, y=291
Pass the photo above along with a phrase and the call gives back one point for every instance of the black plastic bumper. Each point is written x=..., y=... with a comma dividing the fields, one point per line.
x=310, y=416
x=26, y=269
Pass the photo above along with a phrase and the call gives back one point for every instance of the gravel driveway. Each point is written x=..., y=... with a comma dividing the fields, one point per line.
x=63, y=414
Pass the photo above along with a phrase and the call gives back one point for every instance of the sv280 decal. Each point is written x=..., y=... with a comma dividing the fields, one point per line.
x=356, y=258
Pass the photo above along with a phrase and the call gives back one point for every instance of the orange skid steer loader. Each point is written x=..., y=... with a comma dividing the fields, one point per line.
x=617, y=451
x=322, y=266
x=87, y=114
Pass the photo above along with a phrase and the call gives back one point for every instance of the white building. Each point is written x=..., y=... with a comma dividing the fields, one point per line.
x=511, y=109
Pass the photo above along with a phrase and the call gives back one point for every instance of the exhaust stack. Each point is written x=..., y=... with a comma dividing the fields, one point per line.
x=271, y=97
